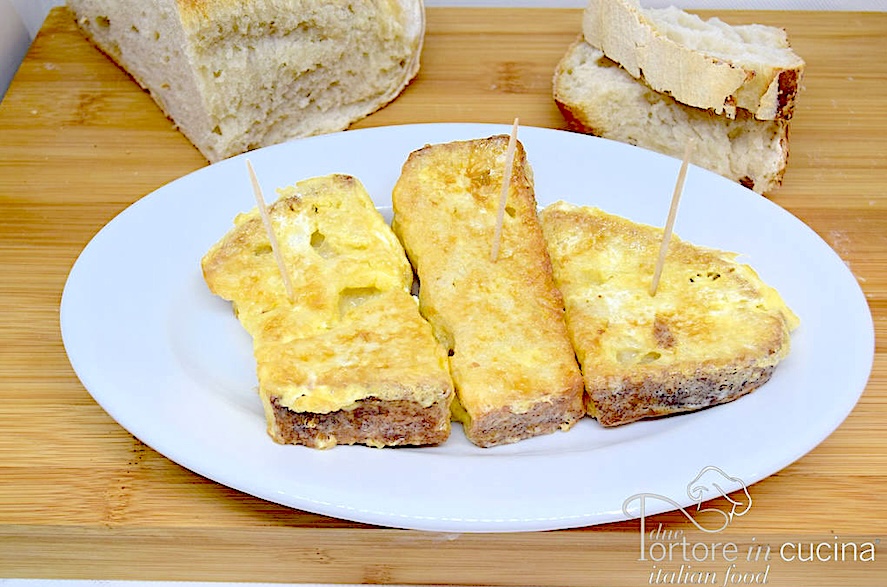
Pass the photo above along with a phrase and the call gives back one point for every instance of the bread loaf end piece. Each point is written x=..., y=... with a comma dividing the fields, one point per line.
x=597, y=96
x=238, y=75
x=502, y=321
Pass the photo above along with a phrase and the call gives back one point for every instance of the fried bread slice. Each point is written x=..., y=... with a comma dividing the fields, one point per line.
x=349, y=360
x=502, y=321
x=713, y=332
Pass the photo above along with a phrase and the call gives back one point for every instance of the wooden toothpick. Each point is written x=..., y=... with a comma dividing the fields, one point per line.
x=266, y=220
x=506, y=184
x=672, y=212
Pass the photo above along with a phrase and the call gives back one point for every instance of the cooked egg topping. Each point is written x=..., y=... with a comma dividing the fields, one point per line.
x=501, y=320
x=708, y=308
x=352, y=330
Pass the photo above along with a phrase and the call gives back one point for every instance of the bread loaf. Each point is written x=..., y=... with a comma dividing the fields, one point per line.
x=703, y=63
x=712, y=332
x=235, y=75
x=597, y=96
x=502, y=320
x=348, y=360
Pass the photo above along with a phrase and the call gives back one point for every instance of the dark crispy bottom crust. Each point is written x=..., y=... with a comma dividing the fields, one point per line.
x=634, y=400
x=503, y=426
x=373, y=422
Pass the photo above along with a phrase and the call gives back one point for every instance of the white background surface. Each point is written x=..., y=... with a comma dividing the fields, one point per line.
x=21, y=19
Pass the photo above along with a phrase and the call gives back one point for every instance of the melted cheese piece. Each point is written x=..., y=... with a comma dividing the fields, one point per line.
x=352, y=331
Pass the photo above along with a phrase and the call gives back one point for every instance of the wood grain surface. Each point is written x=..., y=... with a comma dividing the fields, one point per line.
x=81, y=498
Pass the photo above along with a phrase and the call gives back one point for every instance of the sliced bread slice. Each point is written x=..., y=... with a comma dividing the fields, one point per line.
x=704, y=63
x=598, y=97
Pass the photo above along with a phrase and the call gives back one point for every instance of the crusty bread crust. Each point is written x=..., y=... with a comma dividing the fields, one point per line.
x=597, y=96
x=371, y=422
x=238, y=75
x=706, y=64
x=513, y=367
x=504, y=426
x=636, y=398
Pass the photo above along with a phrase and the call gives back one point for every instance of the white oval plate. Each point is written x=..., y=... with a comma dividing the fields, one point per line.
x=169, y=362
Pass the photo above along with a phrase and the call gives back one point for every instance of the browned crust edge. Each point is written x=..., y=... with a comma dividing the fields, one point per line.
x=789, y=84
x=503, y=426
x=373, y=422
x=573, y=121
x=651, y=397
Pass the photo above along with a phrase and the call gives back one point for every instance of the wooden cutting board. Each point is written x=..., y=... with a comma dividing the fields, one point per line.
x=81, y=498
